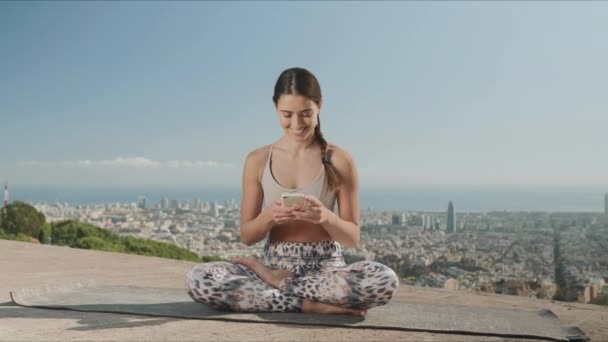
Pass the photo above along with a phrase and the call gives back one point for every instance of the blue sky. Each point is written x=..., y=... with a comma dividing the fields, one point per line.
x=419, y=92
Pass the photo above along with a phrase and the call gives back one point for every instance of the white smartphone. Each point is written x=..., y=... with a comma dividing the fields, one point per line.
x=292, y=198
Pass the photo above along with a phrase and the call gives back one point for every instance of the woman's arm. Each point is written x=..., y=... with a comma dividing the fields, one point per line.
x=255, y=223
x=343, y=228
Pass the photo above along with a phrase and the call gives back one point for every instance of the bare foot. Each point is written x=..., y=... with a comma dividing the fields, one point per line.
x=270, y=277
x=309, y=306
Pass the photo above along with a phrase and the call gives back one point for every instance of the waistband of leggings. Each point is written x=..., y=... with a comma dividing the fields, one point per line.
x=303, y=250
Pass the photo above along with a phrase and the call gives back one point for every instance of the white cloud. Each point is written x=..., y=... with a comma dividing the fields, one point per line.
x=135, y=162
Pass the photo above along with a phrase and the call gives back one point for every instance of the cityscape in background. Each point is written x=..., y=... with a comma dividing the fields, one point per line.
x=526, y=253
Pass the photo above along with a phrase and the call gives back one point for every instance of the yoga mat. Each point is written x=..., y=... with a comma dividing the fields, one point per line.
x=437, y=318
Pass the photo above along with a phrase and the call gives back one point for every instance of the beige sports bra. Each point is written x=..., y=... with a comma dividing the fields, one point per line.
x=273, y=190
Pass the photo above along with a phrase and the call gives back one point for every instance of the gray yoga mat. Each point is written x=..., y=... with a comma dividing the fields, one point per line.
x=438, y=318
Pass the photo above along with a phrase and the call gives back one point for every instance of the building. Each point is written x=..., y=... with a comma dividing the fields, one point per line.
x=215, y=210
x=451, y=223
x=606, y=204
x=195, y=204
x=164, y=203
x=141, y=202
x=428, y=221
x=397, y=219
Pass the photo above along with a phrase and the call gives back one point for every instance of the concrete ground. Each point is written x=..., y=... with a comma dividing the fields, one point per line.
x=25, y=264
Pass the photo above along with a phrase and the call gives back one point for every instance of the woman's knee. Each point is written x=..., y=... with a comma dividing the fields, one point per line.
x=380, y=282
x=205, y=276
x=202, y=282
x=378, y=273
x=388, y=277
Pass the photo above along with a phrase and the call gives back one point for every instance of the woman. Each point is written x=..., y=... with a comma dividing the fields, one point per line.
x=303, y=269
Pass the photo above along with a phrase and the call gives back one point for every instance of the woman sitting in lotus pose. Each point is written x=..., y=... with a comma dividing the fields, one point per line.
x=302, y=269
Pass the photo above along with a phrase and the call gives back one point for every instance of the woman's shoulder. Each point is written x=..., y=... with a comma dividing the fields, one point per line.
x=256, y=161
x=259, y=153
x=258, y=156
x=340, y=157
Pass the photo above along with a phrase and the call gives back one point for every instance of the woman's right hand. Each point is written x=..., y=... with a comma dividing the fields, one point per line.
x=281, y=214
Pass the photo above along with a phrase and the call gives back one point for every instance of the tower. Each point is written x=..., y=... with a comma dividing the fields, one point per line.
x=141, y=202
x=214, y=209
x=606, y=204
x=397, y=219
x=5, y=193
x=164, y=203
x=451, y=223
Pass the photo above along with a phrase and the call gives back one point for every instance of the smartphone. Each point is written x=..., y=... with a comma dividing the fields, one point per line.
x=292, y=199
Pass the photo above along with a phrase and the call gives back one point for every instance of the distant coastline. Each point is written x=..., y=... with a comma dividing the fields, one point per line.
x=466, y=198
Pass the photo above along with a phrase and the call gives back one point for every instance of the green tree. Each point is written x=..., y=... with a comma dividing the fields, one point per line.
x=19, y=217
x=559, y=294
x=93, y=242
x=45, y=233
x=82, y=235
x=69, y=232
x=2, y=222
x=560, y=269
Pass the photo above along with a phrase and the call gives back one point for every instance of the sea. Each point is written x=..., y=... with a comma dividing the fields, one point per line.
x=465, y=198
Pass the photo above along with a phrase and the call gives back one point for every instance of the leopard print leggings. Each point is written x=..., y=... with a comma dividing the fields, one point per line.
x=319, y=274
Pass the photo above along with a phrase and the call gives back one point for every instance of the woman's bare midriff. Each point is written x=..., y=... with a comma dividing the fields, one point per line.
x=299, y=232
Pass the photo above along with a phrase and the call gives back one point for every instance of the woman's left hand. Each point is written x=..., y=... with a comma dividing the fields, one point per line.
x=314, y=211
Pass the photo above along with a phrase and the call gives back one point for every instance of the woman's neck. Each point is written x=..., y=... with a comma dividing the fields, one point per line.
x=296, y=147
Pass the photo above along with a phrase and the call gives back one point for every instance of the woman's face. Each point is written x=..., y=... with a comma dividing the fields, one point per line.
x=298, y=115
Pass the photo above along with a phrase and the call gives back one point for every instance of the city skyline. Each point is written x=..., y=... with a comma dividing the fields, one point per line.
x=416, y=198
x=130, y=93
x=545, y=255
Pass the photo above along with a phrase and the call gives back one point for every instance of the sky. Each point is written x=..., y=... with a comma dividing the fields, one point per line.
x=420, y=93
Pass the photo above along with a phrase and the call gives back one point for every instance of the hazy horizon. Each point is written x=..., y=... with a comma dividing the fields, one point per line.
x=360, y=185
x=433, y=198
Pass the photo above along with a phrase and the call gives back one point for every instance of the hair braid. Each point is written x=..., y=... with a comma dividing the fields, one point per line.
x=332, y=177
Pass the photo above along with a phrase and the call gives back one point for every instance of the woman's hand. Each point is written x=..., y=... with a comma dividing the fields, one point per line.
x=313, y=211
x=281, y=214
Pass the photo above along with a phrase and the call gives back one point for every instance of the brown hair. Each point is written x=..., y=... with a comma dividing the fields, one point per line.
x=299, y=81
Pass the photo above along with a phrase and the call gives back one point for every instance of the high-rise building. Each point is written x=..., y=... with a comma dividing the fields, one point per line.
x=164, y=203
x=215, y=210
x=451, y=223
x=195, y=204
x=426, y=221
x=397, y=219
x=606, y=204
x=141, y=202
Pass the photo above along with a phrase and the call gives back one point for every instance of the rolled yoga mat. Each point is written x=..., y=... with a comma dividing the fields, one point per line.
x=436, y=318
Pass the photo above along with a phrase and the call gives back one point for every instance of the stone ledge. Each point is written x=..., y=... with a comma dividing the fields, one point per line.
x=32, y=265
